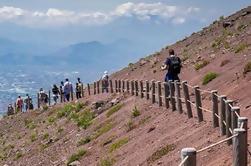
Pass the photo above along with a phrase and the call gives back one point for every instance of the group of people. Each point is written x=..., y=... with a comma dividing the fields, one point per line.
x=65, y=90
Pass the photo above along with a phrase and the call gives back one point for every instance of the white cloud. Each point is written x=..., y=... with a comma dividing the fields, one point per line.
x=57, y=17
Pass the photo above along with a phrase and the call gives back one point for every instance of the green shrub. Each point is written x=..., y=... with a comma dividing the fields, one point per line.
x=241, y=47
x=130, y=126
x=221, y=18
x=18, y=155
x=76, y=156
x=209, y=77
x=160, y=153
x=33, y=137
x=45, y=136
x=201, y=64
x=105, y=127
x=65, y=111
x=247, y=68
x=85, y=118
x=84, y=141
x=106, y=162
x=51, y=119
x=135, y=112
x=144, y=120
x=79, y=106
x=114, y=109
x=118, y=144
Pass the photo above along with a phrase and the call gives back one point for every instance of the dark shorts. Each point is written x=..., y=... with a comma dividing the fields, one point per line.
x=171, y=77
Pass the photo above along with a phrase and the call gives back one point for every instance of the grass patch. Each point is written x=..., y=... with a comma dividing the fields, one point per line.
x=114, y=109
x=106, y=162
x=18, y=155
x=65, y=111
x=118, y=144
x=79, y=106
x=135, y=112
x=46, y=136
x=201, y=64
x=85, y=118
x=184, y=57
x=29, y=124
x=240, y=47
x=103, y=128
x=60, y=130
x=209, y=77
x=33, y=137
x=144, y=120
x=247, y=68
x=84, y=141
x=160, y=153
x=76, y=156
x=51, y=119
x=130, y=126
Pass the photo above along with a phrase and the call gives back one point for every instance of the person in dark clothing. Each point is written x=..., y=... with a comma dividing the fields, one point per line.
x=27, y=102
x=62, y=91
x=55, y=93
x=79, y=81
x=78, y=90
x=173, y=65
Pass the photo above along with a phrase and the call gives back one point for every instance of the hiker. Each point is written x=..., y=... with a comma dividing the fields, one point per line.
x=55, y=93
x=68, y=89
x=10, y=110
x=105, y=82
x=62, y=91
x=27, y=102
x=79, y=81
x=43, y=97
x=173, y=65
x=78, y=90
x=19, y=103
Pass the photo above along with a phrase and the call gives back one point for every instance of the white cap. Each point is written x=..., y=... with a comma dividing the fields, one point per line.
x=105, y=72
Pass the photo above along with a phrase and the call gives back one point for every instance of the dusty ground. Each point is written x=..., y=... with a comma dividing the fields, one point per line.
x=33, y=139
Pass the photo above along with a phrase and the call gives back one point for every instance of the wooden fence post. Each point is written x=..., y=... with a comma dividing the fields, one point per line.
x=136, y=87
x=228, y=120
x=198, y=103
x=123, y=86
x=49, y=98
x=159, y=93
x=82, y=91
x=191, y=154
x=116, y=86
x=215, y=108
x=243, y=122
x=95, y=91
x=172, y=97
x=222, y=115
x=111, y=87
x=98, y=87
x=240, y=147
x=147, y=90
x=153, y=92
x=178, y=99
x=132, y=87
x=89, y=89
x=166, y=94
x=38, y=101
x=119, y=86
x=234, y=111
x=187, y=99
x=72, y=95
x=127, y=86
x=141, y=89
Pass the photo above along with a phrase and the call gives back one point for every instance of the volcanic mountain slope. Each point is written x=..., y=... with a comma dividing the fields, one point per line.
x=135, y=132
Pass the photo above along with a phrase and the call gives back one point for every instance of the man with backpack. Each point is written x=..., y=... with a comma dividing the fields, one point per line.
x=105, y=82
x=68, y=89
x=173, y=65
x=43, y=97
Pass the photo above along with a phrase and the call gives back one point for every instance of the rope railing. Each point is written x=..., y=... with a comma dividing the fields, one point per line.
x=183, y=161
x=217, y=143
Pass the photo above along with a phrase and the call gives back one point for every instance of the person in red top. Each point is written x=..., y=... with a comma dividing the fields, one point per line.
x=19, y=103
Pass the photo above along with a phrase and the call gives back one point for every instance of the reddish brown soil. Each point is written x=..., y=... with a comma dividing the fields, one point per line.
x=168, y=128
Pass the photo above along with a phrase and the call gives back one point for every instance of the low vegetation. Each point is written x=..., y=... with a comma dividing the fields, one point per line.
x=102, y=128
x=135, y=112
x=247, y=68
x=130, y=126
x=201, y=64
x=33, y=137
x=224, y=62
x=240, y=47
x=76, y=156
x=160, y=153
x=114, y=109
x=209, y=77
x=106, y=162
x=18, y=155
x=119, y=143
x=84, y=141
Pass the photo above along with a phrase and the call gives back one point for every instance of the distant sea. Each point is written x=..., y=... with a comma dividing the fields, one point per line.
x=22, y=80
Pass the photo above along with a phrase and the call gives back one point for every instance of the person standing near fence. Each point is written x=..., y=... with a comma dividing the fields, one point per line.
x=27, y=102
x=19, y=103
x=173, y=66
x=55, y=93
x=78, y=90
x=68, y=89
x=105, y=81
x=62, y=90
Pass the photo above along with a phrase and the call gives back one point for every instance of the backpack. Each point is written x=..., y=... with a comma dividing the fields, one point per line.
x=79, y=86
x=175, y=65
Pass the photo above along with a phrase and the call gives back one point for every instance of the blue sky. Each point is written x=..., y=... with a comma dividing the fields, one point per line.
x=154, y=23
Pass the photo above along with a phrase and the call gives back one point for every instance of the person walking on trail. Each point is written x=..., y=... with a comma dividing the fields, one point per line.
x=105, y=81
x=19, y=103
x=62, y=91
x=27, y=102
x=173, y=67
x=10, y=110
x=55, y=93
x=43, y=97
x=78, y=90
x=68, y=89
